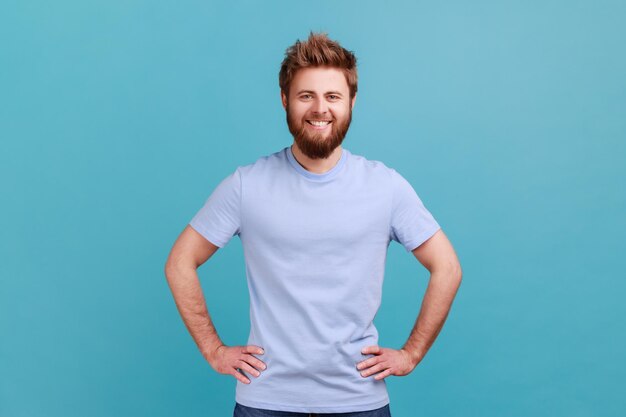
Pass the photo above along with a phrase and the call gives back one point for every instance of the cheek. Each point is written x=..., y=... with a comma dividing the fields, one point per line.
x=340, y=115
x=295, y=113
x=301, y=114
x=341, y=112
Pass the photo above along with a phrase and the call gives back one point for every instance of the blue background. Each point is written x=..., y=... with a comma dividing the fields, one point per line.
x=118, y=119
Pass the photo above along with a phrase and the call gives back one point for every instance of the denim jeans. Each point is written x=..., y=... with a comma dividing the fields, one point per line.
x=244, y=411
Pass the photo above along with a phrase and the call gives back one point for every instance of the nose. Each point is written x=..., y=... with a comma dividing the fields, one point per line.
x=320, y=106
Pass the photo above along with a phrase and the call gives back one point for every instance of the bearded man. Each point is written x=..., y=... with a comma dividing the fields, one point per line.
x=315, y=222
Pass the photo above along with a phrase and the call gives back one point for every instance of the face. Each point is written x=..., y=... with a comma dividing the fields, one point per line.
x=319, y=110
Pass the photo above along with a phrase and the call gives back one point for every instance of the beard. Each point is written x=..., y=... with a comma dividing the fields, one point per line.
x=317, y=145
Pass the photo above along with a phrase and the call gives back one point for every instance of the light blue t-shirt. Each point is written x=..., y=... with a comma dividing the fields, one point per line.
x=315, y=247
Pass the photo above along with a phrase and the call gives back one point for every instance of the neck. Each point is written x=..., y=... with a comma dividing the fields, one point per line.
x=317, y=166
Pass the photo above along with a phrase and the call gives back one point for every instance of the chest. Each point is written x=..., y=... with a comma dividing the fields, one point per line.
x=309, y=218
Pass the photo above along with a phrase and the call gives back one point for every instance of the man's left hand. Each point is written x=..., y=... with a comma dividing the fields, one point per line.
x=387, y=361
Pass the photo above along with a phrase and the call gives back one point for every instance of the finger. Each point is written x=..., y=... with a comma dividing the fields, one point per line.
x=374, y=369
x=257, y=363
x=369, y=362
x=253, y=349
x=240, y=377
x=383, y=374
x=244, y=366
x=370, y=349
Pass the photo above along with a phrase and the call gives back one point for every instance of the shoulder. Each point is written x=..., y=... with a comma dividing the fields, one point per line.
x=371, y=166
x=266, y=164
x=382, y=174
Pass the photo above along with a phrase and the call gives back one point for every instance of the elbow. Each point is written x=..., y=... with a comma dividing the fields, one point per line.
x=459, y=275
x=175, y=268
x=170, y=270
x=455, y=271
x=451, y=270
x=171, y=265
x=167, y=270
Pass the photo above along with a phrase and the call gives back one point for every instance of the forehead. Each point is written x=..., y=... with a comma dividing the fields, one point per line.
x=319, y=79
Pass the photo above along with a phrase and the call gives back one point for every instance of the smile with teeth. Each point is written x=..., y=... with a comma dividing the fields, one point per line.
x=319, y=123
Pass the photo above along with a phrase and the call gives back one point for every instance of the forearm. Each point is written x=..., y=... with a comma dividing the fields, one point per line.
x=187, y=292
x=438, y=299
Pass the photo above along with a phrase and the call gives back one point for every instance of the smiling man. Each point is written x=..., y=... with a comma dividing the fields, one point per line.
x=315, y=222
x=319, y=111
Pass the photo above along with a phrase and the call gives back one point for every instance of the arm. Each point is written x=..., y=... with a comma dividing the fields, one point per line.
x=438, y=256
x=189, y=252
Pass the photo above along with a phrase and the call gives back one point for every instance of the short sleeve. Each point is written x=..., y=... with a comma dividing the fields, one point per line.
x=220, y=217
x=411, y=223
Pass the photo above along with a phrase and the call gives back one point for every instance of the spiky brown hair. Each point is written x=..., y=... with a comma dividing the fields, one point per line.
x=318, y=50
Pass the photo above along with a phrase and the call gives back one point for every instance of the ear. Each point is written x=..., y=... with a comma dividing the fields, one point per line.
x=353, y=101
x=283, y=98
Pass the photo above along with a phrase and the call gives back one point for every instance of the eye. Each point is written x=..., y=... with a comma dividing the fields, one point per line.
x=333, y=97
x=304, y=96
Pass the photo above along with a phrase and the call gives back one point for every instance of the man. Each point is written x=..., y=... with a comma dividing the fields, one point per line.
x=315, y=222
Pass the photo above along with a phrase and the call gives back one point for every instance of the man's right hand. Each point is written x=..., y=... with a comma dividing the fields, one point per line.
x=229, y=359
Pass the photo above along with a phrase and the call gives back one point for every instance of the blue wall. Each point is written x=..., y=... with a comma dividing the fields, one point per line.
x=118, y=118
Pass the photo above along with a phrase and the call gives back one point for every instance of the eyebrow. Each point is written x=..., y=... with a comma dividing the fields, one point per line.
x=313, y=92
